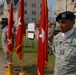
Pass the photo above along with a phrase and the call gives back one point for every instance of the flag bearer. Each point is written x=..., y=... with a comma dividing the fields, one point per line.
x=4, y=38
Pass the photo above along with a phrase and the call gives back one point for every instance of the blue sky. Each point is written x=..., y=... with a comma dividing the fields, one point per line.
x=52, y=3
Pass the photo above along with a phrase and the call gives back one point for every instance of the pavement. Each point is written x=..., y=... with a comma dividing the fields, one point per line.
x=2, y=63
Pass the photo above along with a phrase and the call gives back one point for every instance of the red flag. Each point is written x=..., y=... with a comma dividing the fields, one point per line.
x=20, y=32
x=46, y=35
x=10, y=36
x=74, y=6
x=42, y=43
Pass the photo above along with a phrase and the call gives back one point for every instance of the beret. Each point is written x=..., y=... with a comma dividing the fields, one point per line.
x=67, y=15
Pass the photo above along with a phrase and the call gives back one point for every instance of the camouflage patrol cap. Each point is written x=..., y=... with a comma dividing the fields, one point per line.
x=67, y=15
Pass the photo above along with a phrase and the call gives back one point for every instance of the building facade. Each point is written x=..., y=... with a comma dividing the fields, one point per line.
x=65, y=5
x=31, y=10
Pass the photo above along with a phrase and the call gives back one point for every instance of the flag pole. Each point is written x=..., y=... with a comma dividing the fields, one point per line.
x=10, y=70
x=20, y=33
x=21, y=65
x=22, y=71
x=66, y=5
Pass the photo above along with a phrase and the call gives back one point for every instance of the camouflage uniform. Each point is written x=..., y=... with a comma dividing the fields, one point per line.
x=50, y=39
x=4, y=37
x=65, y=52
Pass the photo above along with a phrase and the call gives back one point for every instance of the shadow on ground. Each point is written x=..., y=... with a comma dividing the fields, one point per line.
x=31, y=70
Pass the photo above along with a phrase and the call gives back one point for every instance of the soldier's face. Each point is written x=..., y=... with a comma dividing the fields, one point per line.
x=65, y=25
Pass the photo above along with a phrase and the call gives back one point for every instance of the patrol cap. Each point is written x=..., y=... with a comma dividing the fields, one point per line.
x=67, y=15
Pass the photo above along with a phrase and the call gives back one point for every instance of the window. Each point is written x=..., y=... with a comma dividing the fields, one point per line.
x=25, y=3
x=33, y=19
x=33, y=4
x=33, y=12
x=73, y=0
x=40, y=5
x=25, y=11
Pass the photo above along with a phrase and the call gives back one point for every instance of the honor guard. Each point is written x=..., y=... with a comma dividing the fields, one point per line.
x=64, y=46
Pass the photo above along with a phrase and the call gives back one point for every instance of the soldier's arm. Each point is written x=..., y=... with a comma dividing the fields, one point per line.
x=4, y=41
x=54, y=42
x=51, y=32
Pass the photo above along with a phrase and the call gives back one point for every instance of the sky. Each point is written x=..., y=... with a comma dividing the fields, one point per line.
x=1, y=1
x=52, y=5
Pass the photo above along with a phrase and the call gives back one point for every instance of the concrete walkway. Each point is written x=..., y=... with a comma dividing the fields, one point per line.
x=2, y=63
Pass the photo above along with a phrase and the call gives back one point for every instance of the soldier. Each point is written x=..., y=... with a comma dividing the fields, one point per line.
x=64, y=46
x=50, y=37
x=4, y=38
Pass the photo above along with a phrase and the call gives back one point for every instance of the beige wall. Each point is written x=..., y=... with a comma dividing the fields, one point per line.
x=61, y=6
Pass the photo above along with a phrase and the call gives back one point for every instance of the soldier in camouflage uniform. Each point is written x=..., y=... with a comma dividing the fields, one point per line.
x=64, y=46
x=50, y=37
x=4, y=38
